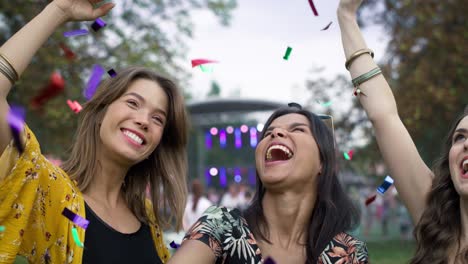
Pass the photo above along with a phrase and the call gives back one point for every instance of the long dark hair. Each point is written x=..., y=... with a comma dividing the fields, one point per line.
x=439, y=228
x=333, y=213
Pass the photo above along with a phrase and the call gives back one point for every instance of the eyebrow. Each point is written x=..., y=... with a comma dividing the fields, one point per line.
x=290, y=126
x=141, y=98
x=462, y=130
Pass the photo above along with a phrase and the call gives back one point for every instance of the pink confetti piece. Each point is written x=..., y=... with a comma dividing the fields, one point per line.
x=74, y=106
x=313, y=7
x=327, y=26
x=93, y=81
x=371, y=199
x=78, y=220
x=197, y=62
x=78, y=32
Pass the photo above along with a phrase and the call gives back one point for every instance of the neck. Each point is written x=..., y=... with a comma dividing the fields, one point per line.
x=464, y=221
x=288, y=216
x=105, y=187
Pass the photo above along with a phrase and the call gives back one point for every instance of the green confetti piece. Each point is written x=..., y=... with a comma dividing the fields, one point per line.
x=206, y=68
x=346, y=156
x=76, y=237
x=288, y=52
x=2, y=229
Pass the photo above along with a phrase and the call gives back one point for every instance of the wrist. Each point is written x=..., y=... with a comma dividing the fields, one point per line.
x=344, y=14
x=56, y=12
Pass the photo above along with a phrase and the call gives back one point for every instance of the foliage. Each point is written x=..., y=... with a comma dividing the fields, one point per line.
x=150, y=33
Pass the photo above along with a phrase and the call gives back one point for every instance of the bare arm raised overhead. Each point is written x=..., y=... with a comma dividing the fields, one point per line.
x=22, y=46
x=413, y=178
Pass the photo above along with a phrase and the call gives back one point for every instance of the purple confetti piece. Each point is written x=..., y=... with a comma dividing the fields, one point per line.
x=78, y=32
x=78, y=220
x=112, y=73
x=98, y=24
x=15, y=119
x=174, y=245
x=269, y=261
x=93, y=81
x=327, y=26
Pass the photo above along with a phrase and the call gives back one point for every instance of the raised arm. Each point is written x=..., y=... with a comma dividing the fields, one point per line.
x=22, y=46
x=412, y=177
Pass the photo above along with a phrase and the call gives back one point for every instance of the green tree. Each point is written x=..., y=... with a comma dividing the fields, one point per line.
x=151, y=33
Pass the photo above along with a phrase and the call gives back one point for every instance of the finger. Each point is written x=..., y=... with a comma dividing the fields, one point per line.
x=103, y=10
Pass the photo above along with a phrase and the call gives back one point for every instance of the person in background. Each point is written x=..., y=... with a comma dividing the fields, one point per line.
x=197, y=203
x=232, y=198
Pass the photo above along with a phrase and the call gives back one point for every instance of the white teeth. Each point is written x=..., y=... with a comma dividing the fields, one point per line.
x=465, y=165
x=134, y=137
x=283, y=148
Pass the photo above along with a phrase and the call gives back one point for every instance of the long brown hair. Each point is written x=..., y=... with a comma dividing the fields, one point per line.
x=165, y=170
x=440, y=228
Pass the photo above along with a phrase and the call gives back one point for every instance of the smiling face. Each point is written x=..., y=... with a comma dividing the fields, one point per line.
x=134, y=123
x=288, y=155
x=458, y=158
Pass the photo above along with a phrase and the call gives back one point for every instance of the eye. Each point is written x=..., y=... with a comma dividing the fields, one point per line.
x=458, y=137
x=298, y=129
x=158, y=120
x=267, y=134
x=132, y=103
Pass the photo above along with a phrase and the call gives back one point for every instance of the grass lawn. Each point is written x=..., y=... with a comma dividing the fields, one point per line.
x=390, y=251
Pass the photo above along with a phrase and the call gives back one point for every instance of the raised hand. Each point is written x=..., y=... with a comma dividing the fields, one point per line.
x=78, y=10
x=349, y=7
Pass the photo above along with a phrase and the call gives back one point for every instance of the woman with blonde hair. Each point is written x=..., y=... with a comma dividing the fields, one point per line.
x=437, y=199
x=132, y=133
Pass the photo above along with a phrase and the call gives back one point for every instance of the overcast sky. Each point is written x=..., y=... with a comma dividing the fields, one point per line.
x=251, y=50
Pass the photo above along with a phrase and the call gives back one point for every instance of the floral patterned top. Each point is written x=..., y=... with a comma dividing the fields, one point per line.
x=227, y=234
x=33, y=194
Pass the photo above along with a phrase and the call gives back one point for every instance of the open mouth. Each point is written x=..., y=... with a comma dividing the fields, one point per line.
x=133, y=137
x=464, y=166
x=278, y=153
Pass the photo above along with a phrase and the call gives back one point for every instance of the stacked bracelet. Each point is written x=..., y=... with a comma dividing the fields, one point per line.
x=363, y=78
x=356, y=54
x=7, y=69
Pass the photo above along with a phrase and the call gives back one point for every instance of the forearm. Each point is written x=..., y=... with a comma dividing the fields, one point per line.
x=22, y=46
x=378, y=100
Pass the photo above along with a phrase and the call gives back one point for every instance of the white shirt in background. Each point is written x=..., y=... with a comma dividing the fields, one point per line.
x=190, y=217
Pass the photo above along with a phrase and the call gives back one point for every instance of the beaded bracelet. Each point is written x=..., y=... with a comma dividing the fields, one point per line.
x=363, y=78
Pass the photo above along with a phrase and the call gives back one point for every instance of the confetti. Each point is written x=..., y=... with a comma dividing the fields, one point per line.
x=269, y=261
x=55, y=86
x=98, y=24
x=78, y=220
x=174, y=245
x=288, y=52
x=77, y=32
x=15, y=119
x=112, y=73
x=371, y=199
x=74, y=106
x=197, y=62
x=76, y=237
x=69, y=54
x=348, y=155
x=327, y=26
x=2, y=228
x=311, y=3
x=385, y=185
x=93, y=81
x=326, y=104
x=206, y=68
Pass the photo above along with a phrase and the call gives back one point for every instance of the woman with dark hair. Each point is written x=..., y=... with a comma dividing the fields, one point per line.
x=132, y=133
x=300, y=212
x=437, y=200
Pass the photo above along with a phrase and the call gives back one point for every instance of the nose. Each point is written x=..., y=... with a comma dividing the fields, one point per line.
x=142, y=121
x=278, y=132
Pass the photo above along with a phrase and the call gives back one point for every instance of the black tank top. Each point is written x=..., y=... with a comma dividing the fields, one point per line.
x=103, y=244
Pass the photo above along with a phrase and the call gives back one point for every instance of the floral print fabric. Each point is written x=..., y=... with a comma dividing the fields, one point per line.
x=33, y=194
x=227, y=234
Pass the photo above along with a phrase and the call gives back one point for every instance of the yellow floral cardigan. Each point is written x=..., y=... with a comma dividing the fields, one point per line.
x=33, y=193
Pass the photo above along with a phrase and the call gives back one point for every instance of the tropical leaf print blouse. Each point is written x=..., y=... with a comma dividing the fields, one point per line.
x=227, y=234
x=33, y=194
